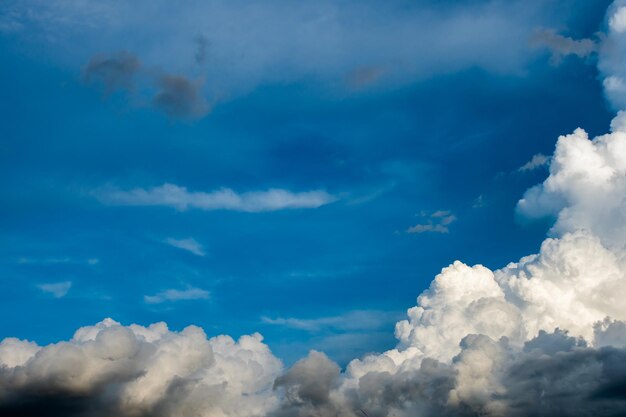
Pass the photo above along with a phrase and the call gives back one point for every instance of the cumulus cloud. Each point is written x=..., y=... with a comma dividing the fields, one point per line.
x=172, y=195
x=110, y=369
x=190, y=293
x=189, y=244
x=544, y=336
x=436, y=222
x=57, y=289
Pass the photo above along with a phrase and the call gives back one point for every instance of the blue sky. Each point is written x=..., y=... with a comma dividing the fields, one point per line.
x=139, y=146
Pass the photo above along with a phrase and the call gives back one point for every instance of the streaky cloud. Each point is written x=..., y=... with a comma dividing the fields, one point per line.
x=190, y=293
x=171, y=195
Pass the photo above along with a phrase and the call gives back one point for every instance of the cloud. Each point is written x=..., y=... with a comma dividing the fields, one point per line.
x=109, y=369
x=537, y=161
x=562, y=46
x=586, y=186
x=322, y=40
x=171, y=195
x=180, y=97
x=57, y=289
x=544, y=336
x=190, y=293
x=353, y=320
x=437, y=222
x=189, y=244
x=114, y=72
x=611, y=56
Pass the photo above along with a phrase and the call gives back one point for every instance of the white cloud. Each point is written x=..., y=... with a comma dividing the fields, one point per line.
x=171, y=195
x=188, y=244
x=617, y=21
x=149, y=370
x=190, y=293
x=353, y=320
x=537, y=161
x=611, y=62
x=57, y=289
x=436, y=222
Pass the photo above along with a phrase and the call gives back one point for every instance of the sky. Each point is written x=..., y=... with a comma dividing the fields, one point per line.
x=303, y=171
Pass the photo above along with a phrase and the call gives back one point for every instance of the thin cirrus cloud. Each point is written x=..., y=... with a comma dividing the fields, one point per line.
x=171, y=195
x=189, y=244
x=190, y=293
x=537, y=161
x=56, y=289
x=353, y=320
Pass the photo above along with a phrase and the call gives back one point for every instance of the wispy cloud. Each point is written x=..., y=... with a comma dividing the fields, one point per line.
x=561, y=46
x=537, y=161
x=351, y=321
x=180, y=198
x=57, y=289
x=436, y=222
x=190, y=293
x=50, y=261
x=189, y=244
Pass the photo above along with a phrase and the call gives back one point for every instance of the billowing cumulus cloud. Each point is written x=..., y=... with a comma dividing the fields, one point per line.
x=109, y=369
x=171, y=195
x=544, y=336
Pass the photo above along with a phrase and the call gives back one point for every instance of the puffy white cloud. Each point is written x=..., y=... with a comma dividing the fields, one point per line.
x=171, y=195
x=138, y=370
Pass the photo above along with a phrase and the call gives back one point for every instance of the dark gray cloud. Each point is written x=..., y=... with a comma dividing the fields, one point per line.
x=180, y=97
x=114, y=72
x=561, y=46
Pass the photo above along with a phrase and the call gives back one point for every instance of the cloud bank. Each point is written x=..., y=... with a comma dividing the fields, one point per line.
x=544, y=336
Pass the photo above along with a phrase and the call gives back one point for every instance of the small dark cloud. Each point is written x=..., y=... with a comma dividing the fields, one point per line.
x=364, y=76
x=562, y=46
x=114, y=72
x=180, y=97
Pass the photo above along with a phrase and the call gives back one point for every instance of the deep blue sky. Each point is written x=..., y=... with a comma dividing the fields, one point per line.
x=395, y=125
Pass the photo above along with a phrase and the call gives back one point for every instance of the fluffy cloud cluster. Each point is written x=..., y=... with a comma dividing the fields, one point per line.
x=543, y=336
x=109, y=369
